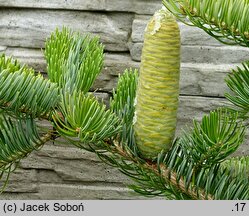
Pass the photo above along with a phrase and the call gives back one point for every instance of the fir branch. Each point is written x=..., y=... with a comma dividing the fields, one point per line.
x=82, y=116
x=84, y=63
x=239, y=166
x=238, y=82
x=9, y=63
x=74, y=60
x=18, y=138
x=164, y=176
x=225, y=20
x=215, y=180
x=123, y=105
x=194, y=193
x=23, y=91
x=57, y=49
x=217, y=136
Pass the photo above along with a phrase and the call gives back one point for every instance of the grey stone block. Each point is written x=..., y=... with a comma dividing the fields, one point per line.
x=135, y=6
x=190, y=35
x=69, y=166
x=79, y=192
x=202, y=54
x=29, y=28
x=22, y=181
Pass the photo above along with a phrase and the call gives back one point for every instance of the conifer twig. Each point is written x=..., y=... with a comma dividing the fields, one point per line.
x=165, y=172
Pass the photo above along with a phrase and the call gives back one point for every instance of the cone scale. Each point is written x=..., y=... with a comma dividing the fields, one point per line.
x=158, y=86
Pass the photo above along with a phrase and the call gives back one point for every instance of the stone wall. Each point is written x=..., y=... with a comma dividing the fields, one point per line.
x=60, y=171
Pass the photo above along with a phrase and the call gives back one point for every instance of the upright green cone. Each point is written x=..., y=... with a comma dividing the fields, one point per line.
x=158, y=85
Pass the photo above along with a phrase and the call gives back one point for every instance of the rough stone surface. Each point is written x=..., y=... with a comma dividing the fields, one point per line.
x=30, y=28
x=23, y=181
x=202, y=54
x=70, y=169
x=19, y=196
x=190, y=35
x=79, y=192
x=135, y=6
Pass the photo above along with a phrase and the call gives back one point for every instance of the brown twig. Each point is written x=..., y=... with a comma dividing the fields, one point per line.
x=165, y=172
